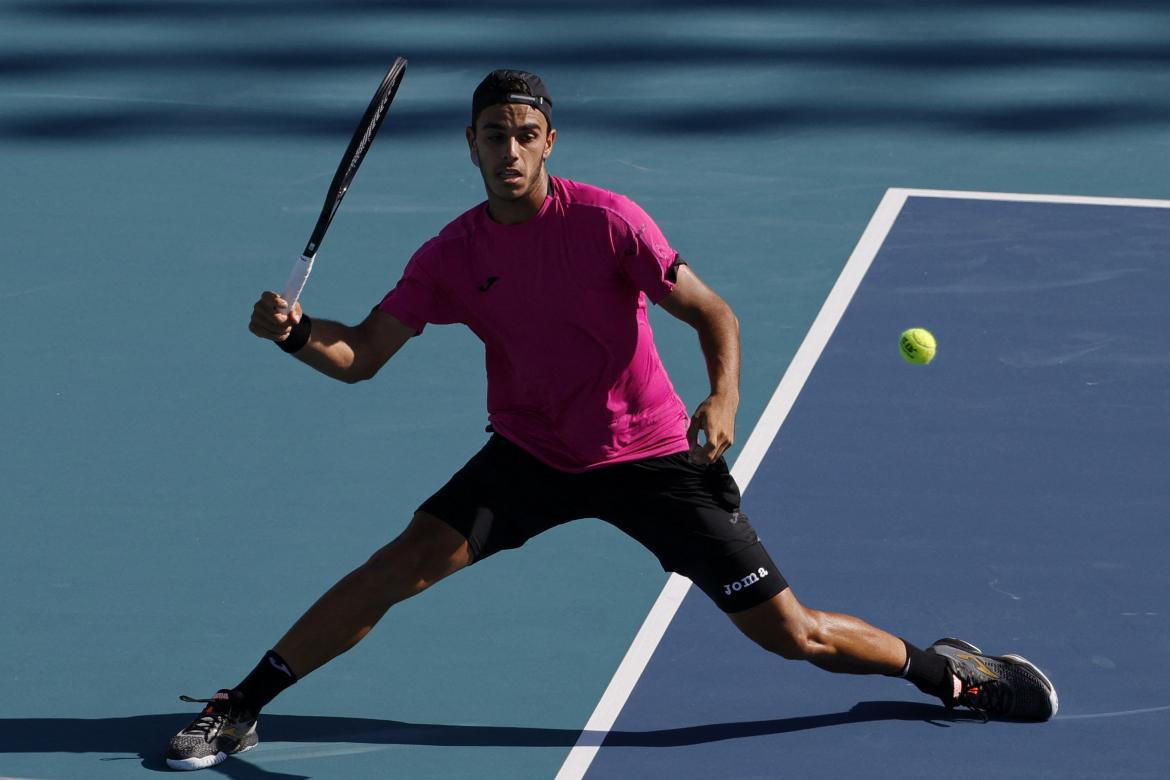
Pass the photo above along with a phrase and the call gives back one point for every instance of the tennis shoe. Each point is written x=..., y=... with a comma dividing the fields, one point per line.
x=222, y=729
x=1007, y=686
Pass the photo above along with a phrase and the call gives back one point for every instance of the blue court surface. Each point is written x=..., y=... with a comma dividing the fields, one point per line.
x=1009, y=493
x=174, y=493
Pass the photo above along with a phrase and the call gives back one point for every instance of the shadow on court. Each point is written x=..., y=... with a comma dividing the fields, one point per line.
x=84, y=102
x=170, y=121
x=146, y=735
x=198, y=9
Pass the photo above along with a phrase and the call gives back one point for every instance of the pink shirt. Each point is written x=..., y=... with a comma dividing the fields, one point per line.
x=559, y=302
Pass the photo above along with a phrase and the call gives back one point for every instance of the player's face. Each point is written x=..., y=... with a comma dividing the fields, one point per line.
x=509, y=144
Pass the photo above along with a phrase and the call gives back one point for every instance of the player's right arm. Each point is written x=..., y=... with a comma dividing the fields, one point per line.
x=349, y=353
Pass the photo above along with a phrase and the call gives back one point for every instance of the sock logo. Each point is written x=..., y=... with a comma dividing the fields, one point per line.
x=748, y=581
x=281, y=667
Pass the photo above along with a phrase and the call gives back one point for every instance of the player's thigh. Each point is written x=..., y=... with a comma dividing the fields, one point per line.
x=502, y=498
x=689, y=516
x=424, y=553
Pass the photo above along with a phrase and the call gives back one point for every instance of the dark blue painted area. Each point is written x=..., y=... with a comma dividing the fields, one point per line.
x=1012, y=493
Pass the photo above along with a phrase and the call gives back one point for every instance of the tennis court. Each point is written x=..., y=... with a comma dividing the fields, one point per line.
x=174, y=492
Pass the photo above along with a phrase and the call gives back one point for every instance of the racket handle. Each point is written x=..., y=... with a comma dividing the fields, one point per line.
x=296, y=280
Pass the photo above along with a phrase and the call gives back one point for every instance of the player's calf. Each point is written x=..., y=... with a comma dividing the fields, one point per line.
x=831, y=641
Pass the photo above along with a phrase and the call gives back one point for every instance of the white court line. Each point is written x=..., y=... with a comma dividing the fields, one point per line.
x=1017, y=197
x=750, y=457
x=1093, y=715
x=654, y=627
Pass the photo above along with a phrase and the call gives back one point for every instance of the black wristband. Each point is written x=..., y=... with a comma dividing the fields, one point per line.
x=298, y=336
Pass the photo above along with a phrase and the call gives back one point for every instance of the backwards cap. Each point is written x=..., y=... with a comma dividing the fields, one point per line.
x=511, y=86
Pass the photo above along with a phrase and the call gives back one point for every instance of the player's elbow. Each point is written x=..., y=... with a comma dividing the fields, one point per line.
x=732, y=320
x=719, y=317
x=359, y=372
x=367, y=356
x=372, y=344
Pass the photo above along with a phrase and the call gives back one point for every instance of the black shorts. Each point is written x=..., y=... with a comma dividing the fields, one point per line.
x=686, y=514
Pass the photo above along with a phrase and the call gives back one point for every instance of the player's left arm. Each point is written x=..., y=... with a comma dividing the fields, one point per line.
x=699, y=306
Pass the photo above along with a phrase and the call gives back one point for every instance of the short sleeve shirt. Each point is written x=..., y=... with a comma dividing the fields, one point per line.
x=559, y=302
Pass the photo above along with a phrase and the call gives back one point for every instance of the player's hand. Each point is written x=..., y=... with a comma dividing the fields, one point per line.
x=271, y=319
x=715, y=418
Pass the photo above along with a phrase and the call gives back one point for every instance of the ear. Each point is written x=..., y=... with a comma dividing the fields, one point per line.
x=548, y=143
x=470, y=132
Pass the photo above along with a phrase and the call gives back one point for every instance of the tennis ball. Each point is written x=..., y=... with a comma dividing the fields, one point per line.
x=917, y=346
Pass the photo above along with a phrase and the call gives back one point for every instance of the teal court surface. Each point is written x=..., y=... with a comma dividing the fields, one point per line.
x=173, y=492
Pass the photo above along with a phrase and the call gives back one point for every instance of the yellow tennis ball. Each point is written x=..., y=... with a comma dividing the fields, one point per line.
x=917, y=346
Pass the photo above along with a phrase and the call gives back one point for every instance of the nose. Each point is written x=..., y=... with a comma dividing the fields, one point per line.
x=512, y=150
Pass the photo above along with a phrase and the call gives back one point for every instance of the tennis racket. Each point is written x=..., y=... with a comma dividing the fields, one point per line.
x=354, y=153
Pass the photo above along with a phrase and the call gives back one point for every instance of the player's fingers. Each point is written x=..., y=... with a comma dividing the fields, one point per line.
x=708, y=453
x=267, y=331
x=267, y=323
x=699, y=451
x=282, y=306
x=723, y=440
x=265, y=328
x=270, y=301
x=271, y=306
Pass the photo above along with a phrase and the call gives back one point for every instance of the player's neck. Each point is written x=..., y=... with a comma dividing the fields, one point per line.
x=512, y=212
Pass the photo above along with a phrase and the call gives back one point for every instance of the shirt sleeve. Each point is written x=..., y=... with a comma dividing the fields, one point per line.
x=418, y=298
x=644, y=253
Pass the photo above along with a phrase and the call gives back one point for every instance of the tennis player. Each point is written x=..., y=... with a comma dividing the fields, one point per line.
x=554, y=277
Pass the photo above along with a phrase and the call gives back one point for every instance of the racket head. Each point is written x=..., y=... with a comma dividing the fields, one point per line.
x=355, y=152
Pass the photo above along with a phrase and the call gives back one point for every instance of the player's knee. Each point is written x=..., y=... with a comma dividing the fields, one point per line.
x=419, y=557
x=790, y=642
x=793, y=638
x=399, y=570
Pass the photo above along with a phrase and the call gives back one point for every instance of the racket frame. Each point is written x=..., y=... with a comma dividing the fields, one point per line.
x=355, y=152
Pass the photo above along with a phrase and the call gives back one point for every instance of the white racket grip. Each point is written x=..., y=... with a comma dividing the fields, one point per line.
x=296, y=280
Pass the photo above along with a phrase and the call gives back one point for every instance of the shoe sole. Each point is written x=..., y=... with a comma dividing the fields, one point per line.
x=967, y=647
x=249, y=741
x=191, y=764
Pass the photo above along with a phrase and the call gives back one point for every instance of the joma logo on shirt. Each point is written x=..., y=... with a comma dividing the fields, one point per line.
x=751, y=579
x=488, y=284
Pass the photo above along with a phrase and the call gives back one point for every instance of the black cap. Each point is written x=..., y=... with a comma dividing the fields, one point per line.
x=511, y=86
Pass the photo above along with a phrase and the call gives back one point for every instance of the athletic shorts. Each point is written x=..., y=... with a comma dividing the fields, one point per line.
x=687, y=515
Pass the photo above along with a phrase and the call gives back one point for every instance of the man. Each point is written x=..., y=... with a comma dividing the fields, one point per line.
x=553, y=276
